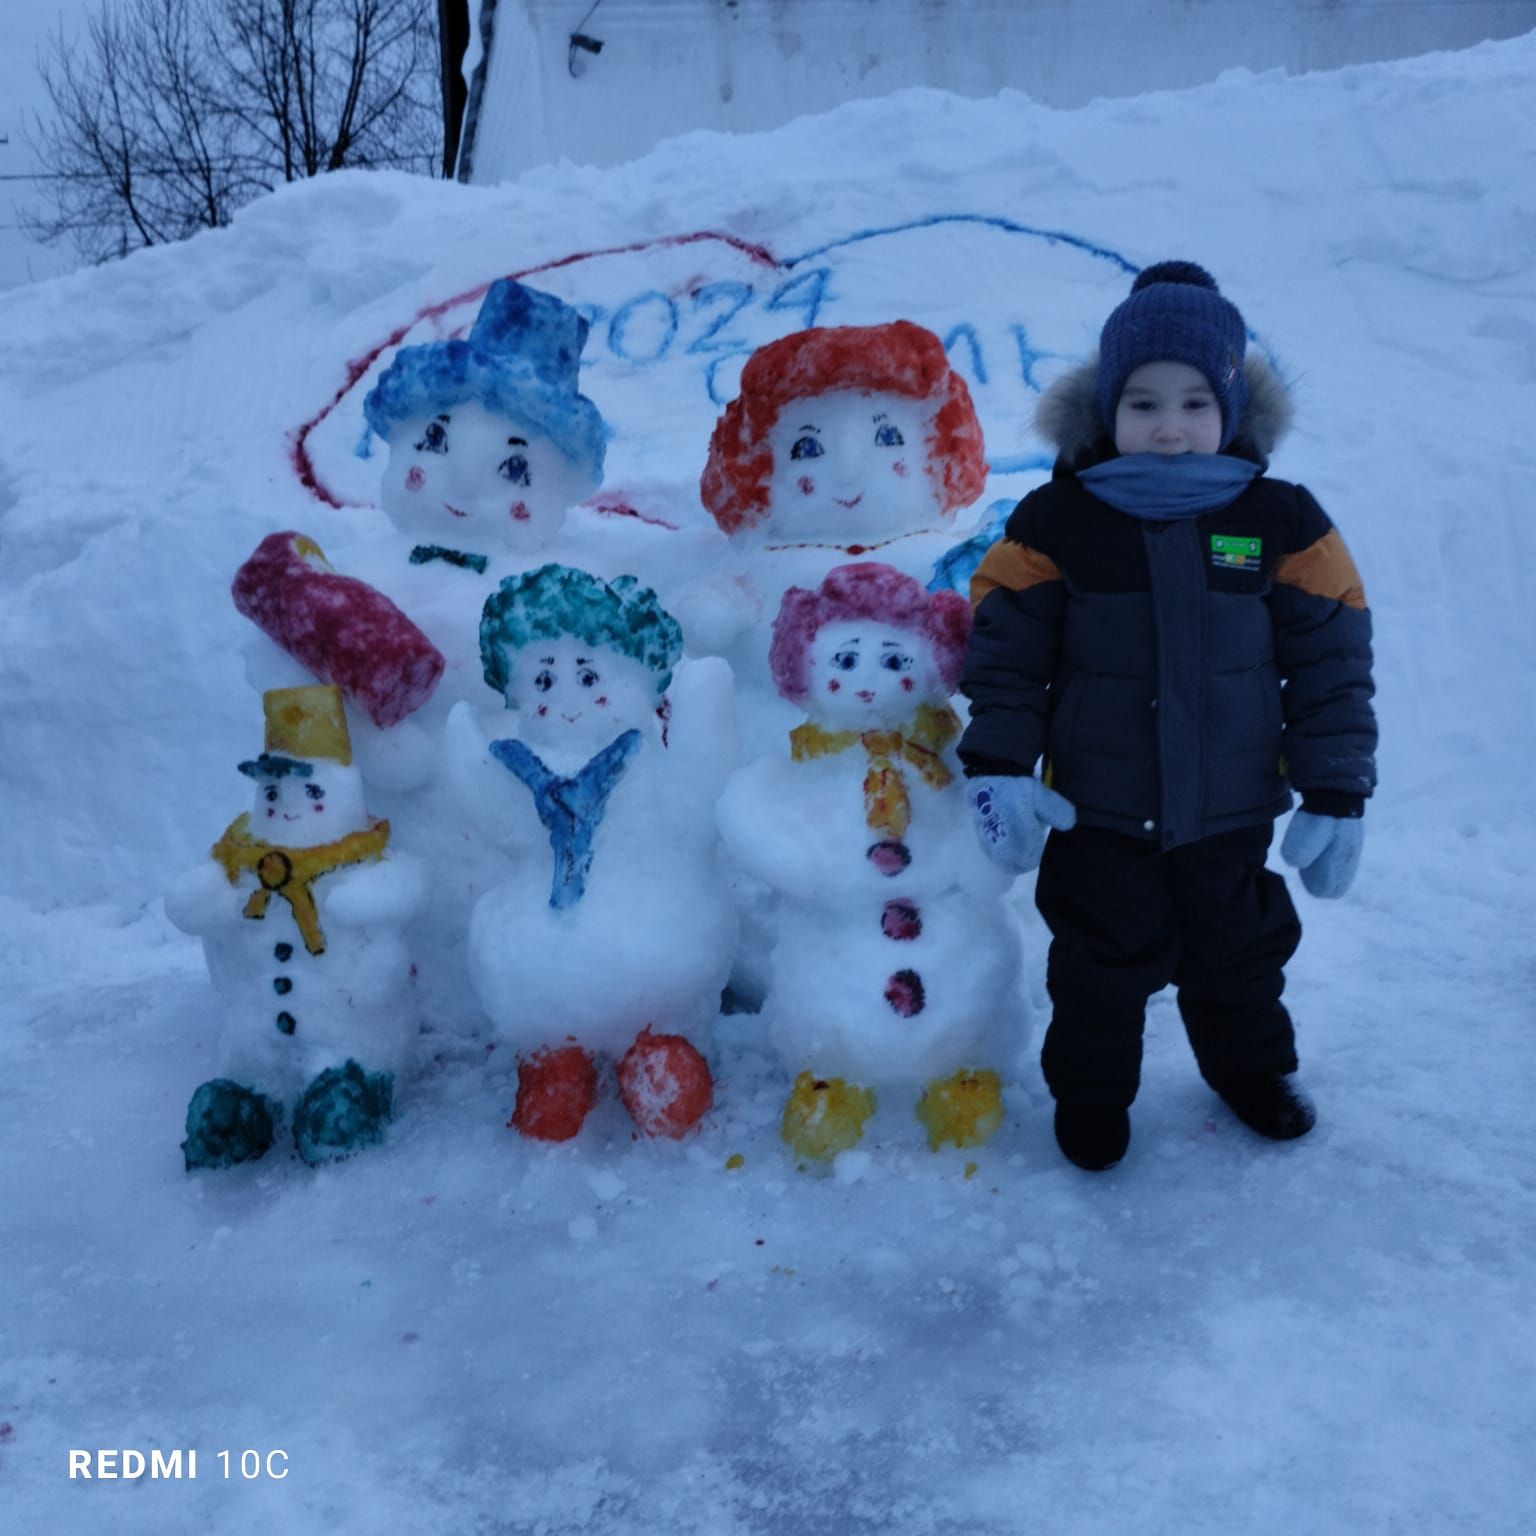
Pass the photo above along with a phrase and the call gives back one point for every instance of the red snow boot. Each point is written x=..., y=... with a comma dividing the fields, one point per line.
x=555, y=1089
x=665, y=1084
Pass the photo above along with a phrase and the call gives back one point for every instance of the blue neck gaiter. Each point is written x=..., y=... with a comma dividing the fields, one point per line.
x=1158, y=487
x=571, y=809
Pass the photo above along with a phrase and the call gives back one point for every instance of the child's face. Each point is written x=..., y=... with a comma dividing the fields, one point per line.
x=1168, y=408
x=851, y=465
x=471, y=479
x=578, y=697
x=867, y=676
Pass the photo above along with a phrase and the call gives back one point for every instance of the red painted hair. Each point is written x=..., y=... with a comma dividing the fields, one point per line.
x=875, y=593
x=897, y=358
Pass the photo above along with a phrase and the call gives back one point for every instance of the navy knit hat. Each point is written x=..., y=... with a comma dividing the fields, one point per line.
x=1176, y=314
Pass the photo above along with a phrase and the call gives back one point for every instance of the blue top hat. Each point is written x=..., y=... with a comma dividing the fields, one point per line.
x=521, y=359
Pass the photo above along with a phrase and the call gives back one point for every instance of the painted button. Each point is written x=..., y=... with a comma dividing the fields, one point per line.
x=901, y=920
x=283, y=952
x=287, y=1023
x=889, y=856
x=904, y=992
x=282, y=985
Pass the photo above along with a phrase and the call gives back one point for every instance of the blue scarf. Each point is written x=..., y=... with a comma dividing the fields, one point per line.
x=571, y=809
x=1160, y=486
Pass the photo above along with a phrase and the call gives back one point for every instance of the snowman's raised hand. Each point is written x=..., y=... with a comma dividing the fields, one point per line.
x=1012, y=815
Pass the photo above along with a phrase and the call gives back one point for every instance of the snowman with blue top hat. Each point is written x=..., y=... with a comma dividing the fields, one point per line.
x=301, y=908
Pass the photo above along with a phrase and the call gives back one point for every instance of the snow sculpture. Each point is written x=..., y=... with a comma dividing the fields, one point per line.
x=896, y=962
x=614, y=932
x=490, y=444
x=300, y=910
x=850, y=441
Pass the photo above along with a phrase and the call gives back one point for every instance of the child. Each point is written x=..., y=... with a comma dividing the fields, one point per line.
x=1181, y=640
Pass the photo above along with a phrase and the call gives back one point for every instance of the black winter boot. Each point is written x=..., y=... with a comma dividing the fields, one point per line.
x=1094, y=1136
x=1271, y=1103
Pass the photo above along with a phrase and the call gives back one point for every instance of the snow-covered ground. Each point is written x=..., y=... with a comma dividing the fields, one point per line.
x=465, y=1333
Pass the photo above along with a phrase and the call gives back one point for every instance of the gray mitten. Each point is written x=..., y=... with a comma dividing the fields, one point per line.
x=1013, y=814
x=1326, y=849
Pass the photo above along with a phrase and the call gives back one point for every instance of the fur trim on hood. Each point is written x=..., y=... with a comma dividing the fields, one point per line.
x=1067, y=416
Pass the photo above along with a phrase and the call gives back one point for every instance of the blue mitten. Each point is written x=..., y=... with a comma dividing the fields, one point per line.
x=1012, y=814
x=1326, y=849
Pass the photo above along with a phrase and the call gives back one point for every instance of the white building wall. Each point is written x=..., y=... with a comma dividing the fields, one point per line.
x=668, y=66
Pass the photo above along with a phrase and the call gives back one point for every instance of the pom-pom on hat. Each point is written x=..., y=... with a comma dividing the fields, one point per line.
x=1175, y=313
x=521, y=359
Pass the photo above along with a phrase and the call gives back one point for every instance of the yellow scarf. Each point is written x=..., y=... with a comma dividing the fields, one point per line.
x=290, y=872
x=887, y=807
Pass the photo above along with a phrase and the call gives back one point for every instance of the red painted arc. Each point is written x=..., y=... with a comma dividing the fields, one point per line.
x=298, y=452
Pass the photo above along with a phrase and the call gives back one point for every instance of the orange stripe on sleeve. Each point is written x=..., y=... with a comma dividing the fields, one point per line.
x=1325, y=569
x=1014, y=566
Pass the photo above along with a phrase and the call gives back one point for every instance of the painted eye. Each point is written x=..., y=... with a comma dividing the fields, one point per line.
x=434, y=440
x=270, y=794
x=889, y=436
x=896, y=661
x=514, y=469
x=314, y=791
x=807, y=448
x=845, y=661
x=587, y=678
x=544, y=681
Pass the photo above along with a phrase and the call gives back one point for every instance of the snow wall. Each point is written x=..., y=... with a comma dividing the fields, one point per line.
x=667, y=66
x=168, y=412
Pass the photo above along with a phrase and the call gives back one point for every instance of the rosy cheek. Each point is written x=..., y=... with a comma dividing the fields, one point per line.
x=806, y=484
x=318, y=809
x=899, y=469
x=543, y=709
x=601, y=703
x=414, y=478
x=833, y=685
x=270, y=811
x=520, y=512
x=907, y=685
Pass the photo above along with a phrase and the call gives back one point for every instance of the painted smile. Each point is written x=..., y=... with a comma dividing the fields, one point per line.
x=849, y=504
x=454, y=510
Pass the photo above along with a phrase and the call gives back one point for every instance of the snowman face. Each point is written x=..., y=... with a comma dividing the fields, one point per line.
x=467, y=477
x=851, y=465
x=297, y=812
x=869, y=676
x=576, y=697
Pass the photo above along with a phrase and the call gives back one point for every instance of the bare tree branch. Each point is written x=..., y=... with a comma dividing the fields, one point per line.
x=171, y=114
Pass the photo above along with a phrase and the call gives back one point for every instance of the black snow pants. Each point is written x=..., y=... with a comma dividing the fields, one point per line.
x=1126, y=919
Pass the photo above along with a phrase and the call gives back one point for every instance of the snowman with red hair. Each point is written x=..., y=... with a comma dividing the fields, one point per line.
x=845, y=443
x=897, y=962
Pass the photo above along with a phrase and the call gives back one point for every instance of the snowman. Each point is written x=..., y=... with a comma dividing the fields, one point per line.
x=896, y=963
x=845, y=443
x=301, y=911
x=490, y=444
x=613, y=934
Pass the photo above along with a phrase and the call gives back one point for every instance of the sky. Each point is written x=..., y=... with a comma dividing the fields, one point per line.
x=460, y=1332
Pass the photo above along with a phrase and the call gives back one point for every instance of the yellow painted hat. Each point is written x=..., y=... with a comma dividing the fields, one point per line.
x=307, y=723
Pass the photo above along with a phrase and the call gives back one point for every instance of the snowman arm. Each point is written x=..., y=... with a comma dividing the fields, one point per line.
x=763, y=835
x=703, y=739
x=202, y=900
x=490, y=798
x=388, y=893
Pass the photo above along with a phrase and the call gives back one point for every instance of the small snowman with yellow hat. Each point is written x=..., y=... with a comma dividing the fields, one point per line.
x=301, y=910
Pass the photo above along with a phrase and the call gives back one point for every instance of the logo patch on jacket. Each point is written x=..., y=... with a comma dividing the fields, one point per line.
x=1236, y=552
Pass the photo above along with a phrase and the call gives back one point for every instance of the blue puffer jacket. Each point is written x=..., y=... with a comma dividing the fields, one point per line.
x=1179, y=678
